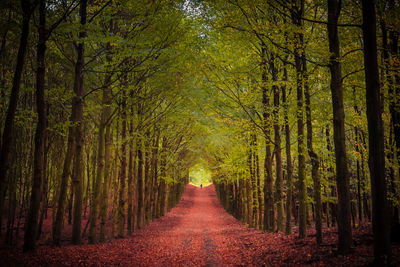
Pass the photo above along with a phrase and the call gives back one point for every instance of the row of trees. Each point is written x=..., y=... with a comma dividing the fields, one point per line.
x=105, y=104
x=282, y=72
x=90, y=116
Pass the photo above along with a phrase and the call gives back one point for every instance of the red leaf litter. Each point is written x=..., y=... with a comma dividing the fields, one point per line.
x=199, y=232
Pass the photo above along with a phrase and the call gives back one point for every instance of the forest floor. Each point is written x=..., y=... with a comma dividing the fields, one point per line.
x=199, y=232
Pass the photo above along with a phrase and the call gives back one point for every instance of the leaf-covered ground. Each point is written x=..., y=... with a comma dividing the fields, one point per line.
x=198, y=232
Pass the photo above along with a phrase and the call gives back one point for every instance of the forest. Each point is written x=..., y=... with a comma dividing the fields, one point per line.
x=126, y=122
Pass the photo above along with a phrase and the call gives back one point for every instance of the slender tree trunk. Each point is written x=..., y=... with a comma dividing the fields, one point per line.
x=105, y=114
x=393, y=80
x=121, y=204
x=107, y=169
x=260, y=195
x=300, y=143
x=140, y=186
x=278, y=151
x=314, y=157
x=269, y=213
x=289, y=169
x=45, y=186
x=154, y=168
x=342, y=179
x=380, y=218
x=297, y=13
x=163, y=186
x=249, y=185
x=38, y=163
x=7, y=137
x=78, y=160
x=358, y=167
x=130, y=222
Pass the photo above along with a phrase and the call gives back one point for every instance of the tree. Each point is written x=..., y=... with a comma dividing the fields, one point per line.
x=78, y=108
x=27, y=10
x=39, y=157
x=342, y=180
x=380, y=219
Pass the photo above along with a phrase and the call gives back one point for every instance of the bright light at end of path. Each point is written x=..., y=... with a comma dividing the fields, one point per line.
x=200, y=175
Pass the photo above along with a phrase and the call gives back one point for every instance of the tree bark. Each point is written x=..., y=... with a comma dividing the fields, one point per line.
x=249, y=186
x=130, y=221
x=105, y=116
x=78, y=159
x=40, y=136
x=140, y=186
x=380, y=218
x=297, y=13
x=289, y=169
x=269, y=213
x=7, y=137
x=121, y=204
x=278, y=151
x=314, y=157
x=107, y=170
x=342, y=179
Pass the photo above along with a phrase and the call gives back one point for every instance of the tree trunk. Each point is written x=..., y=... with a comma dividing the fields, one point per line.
x=269, y=213
x=140, y=185
x=78, y=159
x=289, y=169
x=342, y=179
x=105, y=114
x=300, y=143
x=121, y=205
x=107, y=169
x=314, y=157
x=7, y=137
x=154, y=168
x=380, y=218
x=278, y=151
x=38, y=162
x=296, y=14
x=130, y=221
x=249, y=186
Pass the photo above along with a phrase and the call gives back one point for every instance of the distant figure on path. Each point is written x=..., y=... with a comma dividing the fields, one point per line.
x=201, y=186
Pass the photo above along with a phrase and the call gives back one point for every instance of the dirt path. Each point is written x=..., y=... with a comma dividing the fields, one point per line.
x=198, y=232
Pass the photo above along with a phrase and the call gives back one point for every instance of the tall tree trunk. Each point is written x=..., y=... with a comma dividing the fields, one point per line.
x=289, y=169
x=393, y=80
x=314, y=157
x=130, y=221
x=163, y=184
x=297, y=13
x=358, y=167
x=342, y=179
x=147, y=177
x=249, y=186
x=121, y=203
x=380, y=218
x=140, y=185
x=38, y=162
x=107, y=170
x=45, y=185
x=154, y=169
x=78, y=159
x=105, y=114
x=269, y=213
x=260, y=195
x=278, y=151
x=7, y=137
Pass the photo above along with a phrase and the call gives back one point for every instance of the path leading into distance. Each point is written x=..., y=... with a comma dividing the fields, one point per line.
x=197, y=232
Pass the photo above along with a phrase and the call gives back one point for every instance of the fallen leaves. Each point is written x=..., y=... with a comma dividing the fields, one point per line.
x=198, y=232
